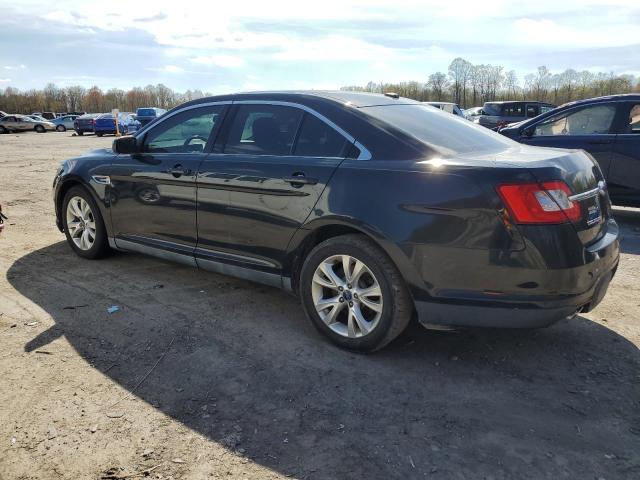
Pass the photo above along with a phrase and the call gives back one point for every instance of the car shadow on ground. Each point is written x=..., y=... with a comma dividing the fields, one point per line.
x=629, y=221
x=243, y=367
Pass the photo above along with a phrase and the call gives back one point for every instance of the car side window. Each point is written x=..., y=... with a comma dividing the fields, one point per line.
x=596, y=119
x=634, y=119
x=513, y=110
x=533, y=111
x=186, y=132
x=263, y=130
x=317, y=139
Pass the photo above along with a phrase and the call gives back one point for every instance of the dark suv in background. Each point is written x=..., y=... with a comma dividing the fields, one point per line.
x=606, y=127
x=148, y=114
x=500, y=114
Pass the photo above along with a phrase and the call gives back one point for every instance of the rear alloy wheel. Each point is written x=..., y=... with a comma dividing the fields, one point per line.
x=354, y=294
x=83, y=224
x=39, y=129
x=61, y=128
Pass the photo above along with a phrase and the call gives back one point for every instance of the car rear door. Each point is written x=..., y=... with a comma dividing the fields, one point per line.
x=590, y=128
x=624, y=173
x=274, y=164
x=153, y=193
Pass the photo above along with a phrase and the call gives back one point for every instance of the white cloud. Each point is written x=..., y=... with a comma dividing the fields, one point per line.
x=15, y=67
x=5, y=80
x=226, y=61
x=172, y=69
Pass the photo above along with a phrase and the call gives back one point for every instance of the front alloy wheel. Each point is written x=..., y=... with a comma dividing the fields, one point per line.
x=81, y=223
x=347, y=296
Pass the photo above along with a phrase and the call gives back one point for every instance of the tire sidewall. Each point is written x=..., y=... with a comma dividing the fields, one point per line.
x=39, y=129
x=61, y=128
x=100, y=244
x=372, y=340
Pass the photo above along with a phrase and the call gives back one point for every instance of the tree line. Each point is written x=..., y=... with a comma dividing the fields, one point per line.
x=93, y=100
x=471, y=85
x=464, y=83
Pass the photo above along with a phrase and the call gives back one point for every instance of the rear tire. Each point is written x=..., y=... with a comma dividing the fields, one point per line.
x=61, y=128
x=39, y=129
x=363, y=309
x=99, y=134
x=80, y=132
x=3, y=130
x=83, y=224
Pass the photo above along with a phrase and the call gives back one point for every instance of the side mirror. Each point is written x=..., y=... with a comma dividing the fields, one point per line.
x=528, y=132
x=126, y=145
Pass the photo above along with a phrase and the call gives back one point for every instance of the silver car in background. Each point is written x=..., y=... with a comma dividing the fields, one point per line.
x=23, y=123
x=64, y=123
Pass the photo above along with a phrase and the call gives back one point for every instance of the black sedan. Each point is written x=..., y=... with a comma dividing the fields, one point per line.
x=606, y=127
x=373, y=209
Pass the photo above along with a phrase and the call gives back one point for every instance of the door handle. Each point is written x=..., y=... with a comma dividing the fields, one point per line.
x=298, y=179
x=177, y=171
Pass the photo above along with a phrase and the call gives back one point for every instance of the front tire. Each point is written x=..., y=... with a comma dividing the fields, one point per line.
x=353, y=294
x=3, y=130
x=83, y=224
x=61, y=128
x=39, y=129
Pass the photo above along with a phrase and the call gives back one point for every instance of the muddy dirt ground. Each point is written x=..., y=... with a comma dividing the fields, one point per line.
x=203, y=376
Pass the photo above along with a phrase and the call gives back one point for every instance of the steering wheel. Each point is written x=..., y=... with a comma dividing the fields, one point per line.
x=194, y=137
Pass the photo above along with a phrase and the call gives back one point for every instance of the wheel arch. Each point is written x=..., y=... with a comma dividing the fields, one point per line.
x=66, y=185
x=312, y=234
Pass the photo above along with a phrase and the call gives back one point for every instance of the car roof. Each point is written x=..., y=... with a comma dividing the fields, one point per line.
x=440, y=103
x=500, y=102
x=352, y=99
x=608, y=98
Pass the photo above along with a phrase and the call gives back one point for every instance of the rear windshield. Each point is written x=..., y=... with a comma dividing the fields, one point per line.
x=146, y=112
x=493, y=109
x=443, y=132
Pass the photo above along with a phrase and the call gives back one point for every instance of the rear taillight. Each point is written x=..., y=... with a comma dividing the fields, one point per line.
x=546, y=202
x=92, y=122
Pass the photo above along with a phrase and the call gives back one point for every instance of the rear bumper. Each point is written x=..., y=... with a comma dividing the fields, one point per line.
x=558, y=293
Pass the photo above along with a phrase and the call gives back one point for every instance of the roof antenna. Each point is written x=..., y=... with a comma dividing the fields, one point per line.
x=391, y=95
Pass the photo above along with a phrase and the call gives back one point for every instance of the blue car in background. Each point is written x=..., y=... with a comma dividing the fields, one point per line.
x=106, y=124
x=148, y=114
x=66, y=122
x=606, y=127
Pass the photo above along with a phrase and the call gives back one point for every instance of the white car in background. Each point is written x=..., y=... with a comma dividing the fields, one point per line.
x=448, y=107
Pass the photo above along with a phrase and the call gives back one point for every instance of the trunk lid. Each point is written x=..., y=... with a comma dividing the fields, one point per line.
x=584, y=178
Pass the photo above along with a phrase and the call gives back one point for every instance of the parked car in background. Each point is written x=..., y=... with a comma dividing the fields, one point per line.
x=3, y=114
x=85, y=123
x=472, y=112
x=148, y=114
x=606, y=127
x=448, y=107
x=501, y=114
x=37, y=118
x=46, y=115
x=470, y=229
x=65, y=122
x=23, y=123
x=105, y=124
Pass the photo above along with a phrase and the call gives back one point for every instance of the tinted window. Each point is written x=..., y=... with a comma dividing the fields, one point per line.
x=492, y=109
x=183, y=133
x=513, y=110
x=263, y=130
x=533, y=111
x=446, y=134
x=634, y=119
x=146, y=112
x=586, y=121
x=317, y=139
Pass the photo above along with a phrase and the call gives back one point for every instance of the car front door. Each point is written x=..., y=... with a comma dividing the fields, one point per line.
x=274, y=164
x=624, y=173
x=590, y=128
x=153, y=193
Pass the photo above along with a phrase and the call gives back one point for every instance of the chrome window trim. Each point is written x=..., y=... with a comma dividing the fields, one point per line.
x=365, y=154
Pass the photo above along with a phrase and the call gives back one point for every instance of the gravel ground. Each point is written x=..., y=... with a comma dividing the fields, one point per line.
x=204, y=376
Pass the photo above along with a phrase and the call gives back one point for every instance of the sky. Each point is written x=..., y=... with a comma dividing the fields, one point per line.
x=246, y=45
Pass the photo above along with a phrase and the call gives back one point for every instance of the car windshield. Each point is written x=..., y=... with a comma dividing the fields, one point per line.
x=447, y=134
x=493, y=109
x=146, y=112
